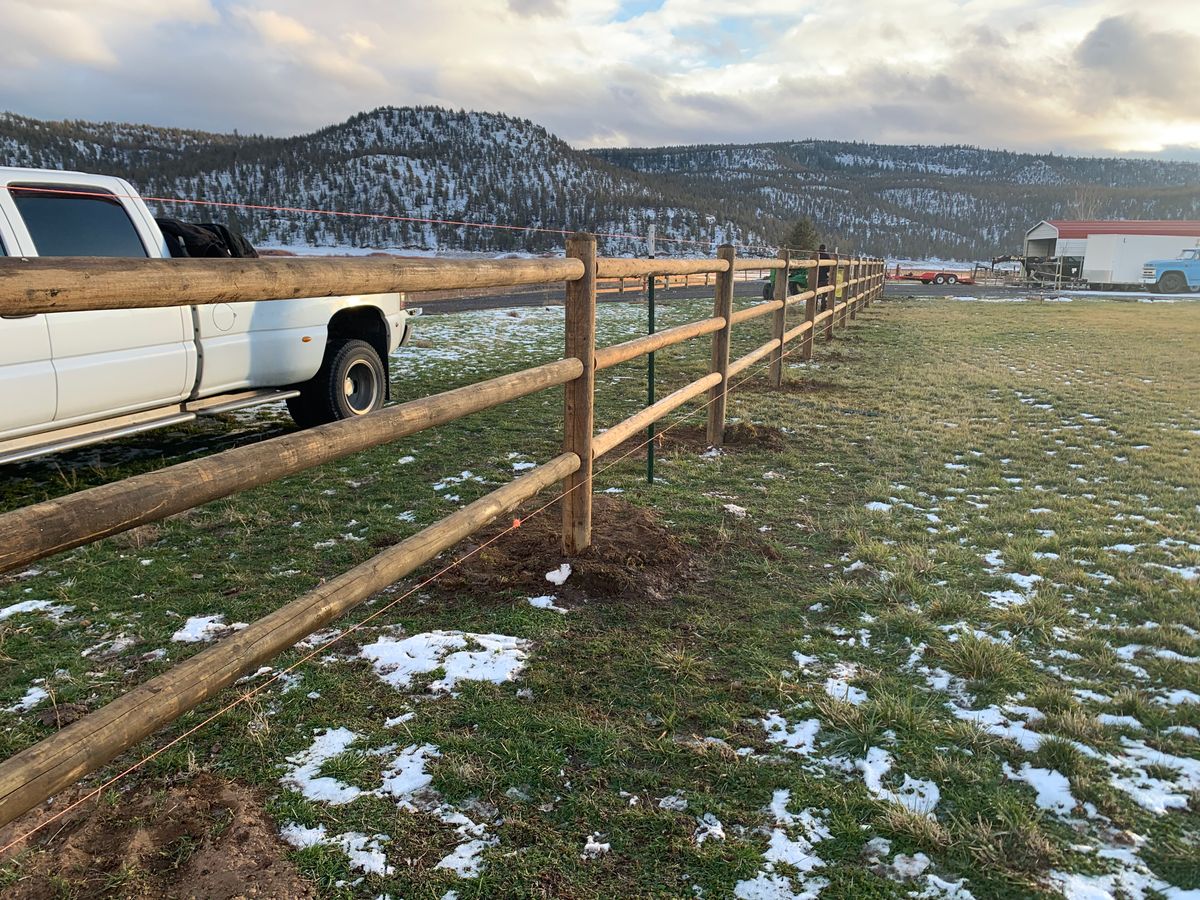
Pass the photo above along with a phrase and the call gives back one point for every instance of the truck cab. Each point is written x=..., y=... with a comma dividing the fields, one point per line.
x=75, y=378
x=1174, y=276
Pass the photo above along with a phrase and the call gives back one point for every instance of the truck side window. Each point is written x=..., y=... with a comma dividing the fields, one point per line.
x=62, y=224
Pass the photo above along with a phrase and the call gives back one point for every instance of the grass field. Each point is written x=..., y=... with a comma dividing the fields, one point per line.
x=936, y=633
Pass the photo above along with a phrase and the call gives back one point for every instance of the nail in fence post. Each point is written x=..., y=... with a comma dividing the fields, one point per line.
x=779, y=324
x=723, y=306
x=580, y=396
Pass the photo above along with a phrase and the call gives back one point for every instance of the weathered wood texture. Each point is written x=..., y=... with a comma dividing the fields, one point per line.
x=580, y=395
x=723, y=307
x=627, y=350
x=610, y=267
x=753, y=312
x=779, y=321
x=760, y=352
x=60, y=284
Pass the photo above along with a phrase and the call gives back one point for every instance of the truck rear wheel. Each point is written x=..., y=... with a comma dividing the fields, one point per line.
x=1172, y=283
x=352, y=381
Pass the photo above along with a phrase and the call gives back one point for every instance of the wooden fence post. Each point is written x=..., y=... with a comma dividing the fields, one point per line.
x=855, y=269
x=831, y=305
x=779, y=323
x=723, y=306
x=810, y=310
x=580, y=396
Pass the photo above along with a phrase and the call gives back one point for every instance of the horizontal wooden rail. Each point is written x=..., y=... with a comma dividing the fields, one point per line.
x=741, y=264
x=88, y=743
x=753, y=312
x=793, y=333
x=622, y=431
x=611, y=267
x=753, y=356
x=62, y=284
x=619, y=353
x=55, y=285
x=33, y=532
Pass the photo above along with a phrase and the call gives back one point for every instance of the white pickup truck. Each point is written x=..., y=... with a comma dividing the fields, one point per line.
x=75, y=378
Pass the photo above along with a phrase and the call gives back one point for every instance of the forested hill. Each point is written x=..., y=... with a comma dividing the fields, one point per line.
x=425, y=162
x=951, y=201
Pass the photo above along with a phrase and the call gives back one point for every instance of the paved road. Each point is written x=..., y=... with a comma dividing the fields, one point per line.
x=552, y=295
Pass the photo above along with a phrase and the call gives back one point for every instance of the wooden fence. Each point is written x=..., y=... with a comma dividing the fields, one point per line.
x=49, y=285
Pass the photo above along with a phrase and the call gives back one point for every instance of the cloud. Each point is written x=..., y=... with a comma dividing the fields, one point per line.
x=1078, y=76
x=536, y=7
x=275, y=27
x=1132, y=61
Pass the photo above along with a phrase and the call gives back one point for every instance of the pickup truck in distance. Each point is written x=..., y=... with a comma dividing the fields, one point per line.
x=69, y=379
x=1174, y=276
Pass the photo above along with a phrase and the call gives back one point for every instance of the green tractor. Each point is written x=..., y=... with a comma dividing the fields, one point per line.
x=797, y=282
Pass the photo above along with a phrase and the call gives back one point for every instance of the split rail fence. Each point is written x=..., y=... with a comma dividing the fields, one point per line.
x=51, y=285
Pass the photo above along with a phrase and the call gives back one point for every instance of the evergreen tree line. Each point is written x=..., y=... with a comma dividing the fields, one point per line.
x=430, y=163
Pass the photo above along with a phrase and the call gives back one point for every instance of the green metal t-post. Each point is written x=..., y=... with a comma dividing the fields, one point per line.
x=650, y=366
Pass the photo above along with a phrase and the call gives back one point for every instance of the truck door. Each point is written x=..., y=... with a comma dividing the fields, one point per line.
x=26, y=372
x=113, y=361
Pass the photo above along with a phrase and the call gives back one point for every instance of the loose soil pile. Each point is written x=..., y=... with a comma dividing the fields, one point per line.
x=207, y=839
x=632, y=557
x=739, y=437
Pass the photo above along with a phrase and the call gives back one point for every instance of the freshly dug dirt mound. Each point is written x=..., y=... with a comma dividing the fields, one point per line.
x=208, y=838
x=632, y=557
x=741, y=436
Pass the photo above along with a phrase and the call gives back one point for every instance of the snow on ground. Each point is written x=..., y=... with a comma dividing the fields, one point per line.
x=462, y=656
x=204, y=628
x=54, y=610
x=404, y=777
x=915, y=794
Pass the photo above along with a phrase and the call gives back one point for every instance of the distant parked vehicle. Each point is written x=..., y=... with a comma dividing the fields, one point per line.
x=1174, y=276
x=936, y=276
x=69, y=379
x=797, y=282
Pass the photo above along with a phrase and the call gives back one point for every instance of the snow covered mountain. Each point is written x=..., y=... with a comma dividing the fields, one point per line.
x=392, y=165
x=955, y=202
x=401, y=163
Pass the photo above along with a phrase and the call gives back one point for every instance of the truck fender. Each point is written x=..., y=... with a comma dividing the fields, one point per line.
x=364, y=323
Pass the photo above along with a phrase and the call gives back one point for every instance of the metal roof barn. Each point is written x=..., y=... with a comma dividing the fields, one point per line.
x=1063, y=237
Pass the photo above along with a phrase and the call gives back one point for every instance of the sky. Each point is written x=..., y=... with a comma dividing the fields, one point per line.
x=1094, y=77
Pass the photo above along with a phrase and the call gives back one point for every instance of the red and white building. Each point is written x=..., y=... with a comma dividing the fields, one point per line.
x=1109, y=252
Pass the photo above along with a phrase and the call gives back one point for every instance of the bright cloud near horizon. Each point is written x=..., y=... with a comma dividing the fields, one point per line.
x=1072, y=76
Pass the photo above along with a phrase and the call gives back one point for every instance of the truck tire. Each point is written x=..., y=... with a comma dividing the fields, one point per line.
x=951, y=279
x=939, y=279
x=352, y=381
x=1172, y=283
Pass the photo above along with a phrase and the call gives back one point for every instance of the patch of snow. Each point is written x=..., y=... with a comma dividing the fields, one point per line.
x=915, y=794
x=204, y=628
x=546, y=602
x=558, y=577
x=398, y=661
x=1053, y=788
